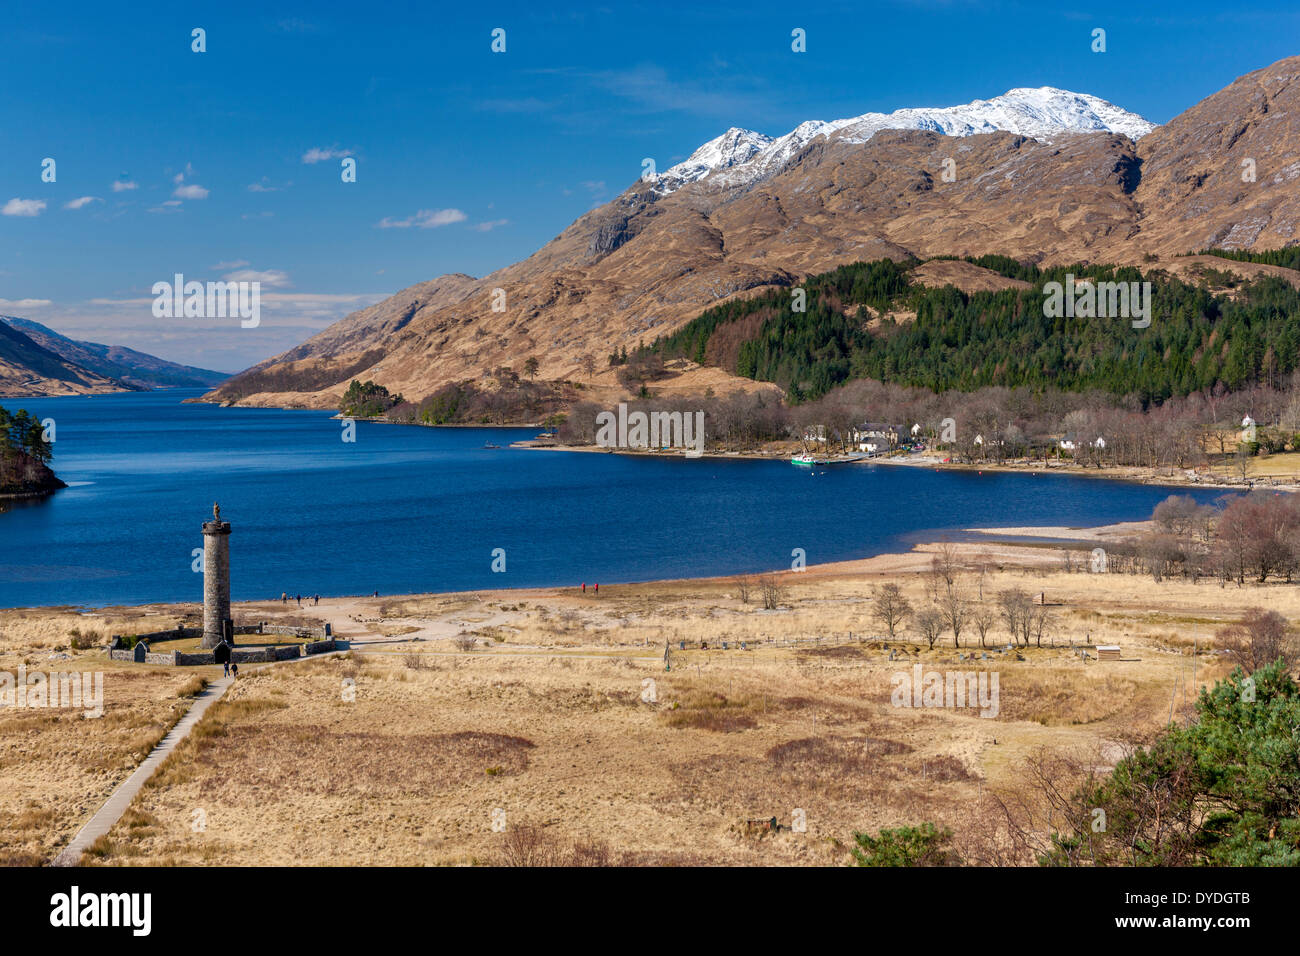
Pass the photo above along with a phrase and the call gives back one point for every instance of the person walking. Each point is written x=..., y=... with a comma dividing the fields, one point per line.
x=300, y=600
x=597, y=588
x=284, y=597
x=584, y=587
x=234, y=671
x=222, y=656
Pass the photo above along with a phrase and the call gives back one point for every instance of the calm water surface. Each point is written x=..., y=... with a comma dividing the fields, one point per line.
x=421, y=509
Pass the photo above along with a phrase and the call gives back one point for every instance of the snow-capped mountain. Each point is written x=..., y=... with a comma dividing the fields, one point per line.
x=741, y=155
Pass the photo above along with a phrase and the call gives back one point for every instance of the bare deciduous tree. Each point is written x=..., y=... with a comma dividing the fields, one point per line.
x=1040, y=623
x=745, y=585
x=944, y=565
x=1015, y=607
x=891, y=607
x=930, y=623
x=772, y=591
x=1258, y=639
x=955, y=608
x=983, y=617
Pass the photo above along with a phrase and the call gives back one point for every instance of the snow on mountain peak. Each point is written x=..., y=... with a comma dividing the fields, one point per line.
x=739, y=156
x=735, y=147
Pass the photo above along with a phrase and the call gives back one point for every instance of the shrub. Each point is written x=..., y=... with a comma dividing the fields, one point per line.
x=925, y=845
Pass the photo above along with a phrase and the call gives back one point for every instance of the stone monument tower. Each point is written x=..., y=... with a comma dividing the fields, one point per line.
x=216, y=580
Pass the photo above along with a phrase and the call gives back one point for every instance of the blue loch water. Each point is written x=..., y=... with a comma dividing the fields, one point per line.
x=406, y=509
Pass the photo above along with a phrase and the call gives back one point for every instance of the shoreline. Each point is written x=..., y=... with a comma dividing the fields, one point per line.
x=1129, y=473
x=1044, y=542
x=1188, y=478
x=15, y=495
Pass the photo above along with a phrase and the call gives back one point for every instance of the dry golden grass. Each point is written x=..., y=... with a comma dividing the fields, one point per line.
x=58, y=766
x=399, y=753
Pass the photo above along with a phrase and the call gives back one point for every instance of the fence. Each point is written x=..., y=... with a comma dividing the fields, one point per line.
x=747, y=643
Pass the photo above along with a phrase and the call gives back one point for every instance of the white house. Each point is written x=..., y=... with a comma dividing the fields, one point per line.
x=875, y=437
x=1072, y=442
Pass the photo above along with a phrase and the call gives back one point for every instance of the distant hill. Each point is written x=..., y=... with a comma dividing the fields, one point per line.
x=124, y=365
x=29, y=370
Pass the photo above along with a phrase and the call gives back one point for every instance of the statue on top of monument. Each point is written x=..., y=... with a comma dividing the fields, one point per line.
x=216, y=511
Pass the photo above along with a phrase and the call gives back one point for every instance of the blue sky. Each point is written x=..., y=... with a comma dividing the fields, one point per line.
x=467, y=160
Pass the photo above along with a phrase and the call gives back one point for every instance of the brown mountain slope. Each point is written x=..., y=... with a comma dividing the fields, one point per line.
x=29, y=370
x=1192, y=189
x=644, y=263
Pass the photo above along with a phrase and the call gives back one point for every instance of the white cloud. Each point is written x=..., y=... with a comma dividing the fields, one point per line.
x=271, y=277
x=489, y=225
x=233, y=264
x=319, y=154
x=263, y=185
x=81, y=201
x=287, y=319
x=121, y=186
x=193, y=191
x=424, y=219
x=24, y=207
x=18, y=304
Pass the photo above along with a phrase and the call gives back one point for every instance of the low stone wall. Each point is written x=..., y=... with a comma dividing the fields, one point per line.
x=266, y=655
x=177, y=633
x=191, y=660
x=138, y=656
x=261, y=655
x=324, y=632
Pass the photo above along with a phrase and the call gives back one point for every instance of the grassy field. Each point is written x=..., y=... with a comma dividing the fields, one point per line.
x=59, y=766
x=401, y=752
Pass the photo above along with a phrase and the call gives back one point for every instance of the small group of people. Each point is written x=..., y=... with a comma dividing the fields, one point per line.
x=312, y=599
x=222, y=653
x=594, y=587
